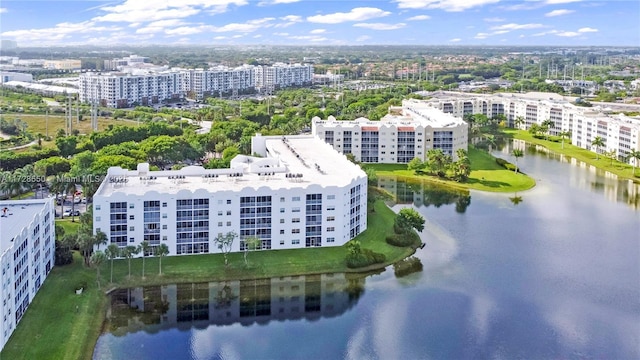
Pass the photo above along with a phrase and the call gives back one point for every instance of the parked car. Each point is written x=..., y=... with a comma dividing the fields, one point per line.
x=68, y=212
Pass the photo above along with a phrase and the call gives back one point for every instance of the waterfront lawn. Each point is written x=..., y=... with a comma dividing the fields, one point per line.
x=60, y=324
x=486, y=175
x=621, y=169
x=53, y=328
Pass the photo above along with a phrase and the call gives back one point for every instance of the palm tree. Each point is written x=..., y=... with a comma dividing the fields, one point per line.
x=128, y=252
x=548, y=125
x=70, y=187
x=144, y=249
x=564, y=134
x=162, y=250
x=57, y=188
x=519, y=120
x=517, y=153
x=635, y=155
x=112, y=252
x=100, y=238
x=597, y=142
x=97, y=259
x=250, y=243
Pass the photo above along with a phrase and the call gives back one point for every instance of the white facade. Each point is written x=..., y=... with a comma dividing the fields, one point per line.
x=620, y=133
x=280, y=75
x=6, y=76
x=395, y=138
x=299, y=193
x=27, y=237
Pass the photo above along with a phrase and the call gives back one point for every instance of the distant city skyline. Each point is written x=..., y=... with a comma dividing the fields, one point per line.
x=305, y=22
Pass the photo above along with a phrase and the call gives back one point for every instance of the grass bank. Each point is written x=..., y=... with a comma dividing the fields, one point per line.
x=486, y=175
x=53, y=329
x=615, y=167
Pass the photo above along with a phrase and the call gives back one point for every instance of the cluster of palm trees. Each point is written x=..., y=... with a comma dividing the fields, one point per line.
x=113, y=251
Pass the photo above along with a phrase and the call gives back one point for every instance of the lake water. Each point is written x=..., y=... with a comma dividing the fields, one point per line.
x=553, y=272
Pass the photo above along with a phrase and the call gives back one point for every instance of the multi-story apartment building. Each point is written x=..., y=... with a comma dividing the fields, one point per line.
x=66, y=64
x=406, y=133
x=299, y=193
x=27, y=238
x=218, y=81
x=280, y=75
x=119, y=90
x=620, y=133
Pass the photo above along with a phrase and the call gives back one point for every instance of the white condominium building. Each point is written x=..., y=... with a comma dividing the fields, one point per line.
x=298, y=192
x=118, y=90
x=280, y=75
x=27, y=238
x=150, y=84
x=396, y=138
x=619, y=132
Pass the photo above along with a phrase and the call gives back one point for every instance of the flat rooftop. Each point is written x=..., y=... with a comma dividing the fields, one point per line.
x=19, y=214
x=288, y=162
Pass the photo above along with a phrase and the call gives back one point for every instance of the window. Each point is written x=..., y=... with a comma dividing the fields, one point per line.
x=331, y=228
x=282, y=210
x=282, y=199
x=164, y=227
x=282, y=232
x=295, y=231
x=219, y=223
x=295, y=209
x=164, y=204
x=131, y=228
x=228, y=223
x=331, y=239
x=164, y=237
x=97, y=207
x=295, y=242
x=295, y=198
x=98, y=229
x=295, y=220
x=228, y=212
x=131, y=217
x=164, y=215
x=331, y=197
x=97, y=218
x=132, y=239
x=130, y=206
x=331, y=208
x=281, y=221
x=220, y=213
x=228, y=202
x=331, y=218
x=281, y=242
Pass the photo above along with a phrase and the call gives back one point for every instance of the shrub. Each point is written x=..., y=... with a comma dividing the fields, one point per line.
x=366, y=257
x=407, y=266
x=505, y=164
x=404, y=239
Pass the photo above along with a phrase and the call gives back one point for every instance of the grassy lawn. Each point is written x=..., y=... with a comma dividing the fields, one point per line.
x=69, y=226
x=53, y=328
x=621, y=169
x=486, y=175
x=37, y=124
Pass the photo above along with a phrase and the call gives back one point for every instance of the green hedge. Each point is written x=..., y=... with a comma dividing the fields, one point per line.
x=365, y=258
x=404, y=239
x=407, y=266
x=505, y=164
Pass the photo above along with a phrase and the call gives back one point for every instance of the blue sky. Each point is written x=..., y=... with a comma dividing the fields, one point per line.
x=322, y=22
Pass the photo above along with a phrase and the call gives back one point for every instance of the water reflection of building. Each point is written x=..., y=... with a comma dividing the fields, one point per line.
x=241, y=301
x=424, y=193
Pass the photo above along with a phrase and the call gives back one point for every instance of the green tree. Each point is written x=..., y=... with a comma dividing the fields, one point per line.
x=409, y=218
x=112, y=252
x=129, y=252
x=635, y=156
x=517, y=153
x=161, y=251
x=224, y=242
x=416, y=165
x=518, y=121
x=97, y=259
x=547, y=125
x=597, y=142
x=144, y=249
x=564, y=134
x=251, y=243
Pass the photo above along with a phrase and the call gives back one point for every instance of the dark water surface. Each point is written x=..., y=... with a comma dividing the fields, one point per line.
x=553, y=272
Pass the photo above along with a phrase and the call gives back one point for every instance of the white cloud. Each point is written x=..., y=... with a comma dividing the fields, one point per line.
x=318, y=31
x=356, y=14
x=494, y=19
x=555, y=2
x=289, y=20
x=308, y=38
x=257, y=36
x=249, y=26
x=59, y=32
x=380, y=26
x=363, y=38
x=481, y=36
x=455, y=40
x=281, y=34
x=186, y=30
x=3, y=10
x=513, y=26
x=219, y=38
x=419, y=17
x=587, y=29
x=558, y=12
x=143, y=10
x=446, y=5
x=567, y=33
x=545, y=33
x=159, y=26
x=276, y=2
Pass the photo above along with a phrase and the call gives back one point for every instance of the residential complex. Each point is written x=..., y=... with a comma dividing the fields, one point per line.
x=296, y=192
x=405, y=133
x=620, y=133
x=66, y=64
x=144, y=84
x=27, y=238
